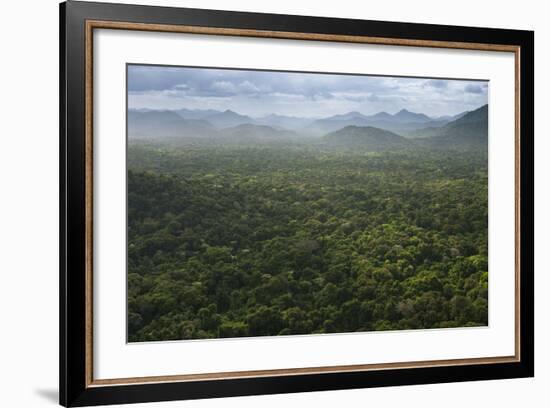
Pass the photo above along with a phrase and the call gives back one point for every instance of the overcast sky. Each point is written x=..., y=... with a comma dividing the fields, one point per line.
x=258, y=93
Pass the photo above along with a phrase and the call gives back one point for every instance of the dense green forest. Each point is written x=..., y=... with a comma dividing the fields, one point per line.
x=252, y=240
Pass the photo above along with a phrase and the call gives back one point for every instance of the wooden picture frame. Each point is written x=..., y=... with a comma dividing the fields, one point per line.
x=78, y=20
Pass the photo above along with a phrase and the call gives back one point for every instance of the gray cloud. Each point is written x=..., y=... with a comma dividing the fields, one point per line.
x=475, y=89
x=258, y=93
x=436, y=83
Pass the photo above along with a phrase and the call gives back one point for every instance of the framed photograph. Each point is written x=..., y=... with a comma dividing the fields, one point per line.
x=257, y=204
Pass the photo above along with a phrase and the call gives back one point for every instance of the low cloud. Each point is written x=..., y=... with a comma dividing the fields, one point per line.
x=223, y=87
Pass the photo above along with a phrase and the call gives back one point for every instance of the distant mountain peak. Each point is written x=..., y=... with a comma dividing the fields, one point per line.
x=228, y=118
x=407, y=112
x=407, y=115
x=346, y=116
x=381, y=115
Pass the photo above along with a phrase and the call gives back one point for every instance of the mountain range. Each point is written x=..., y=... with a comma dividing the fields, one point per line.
x=353, y=129
x=402, y=122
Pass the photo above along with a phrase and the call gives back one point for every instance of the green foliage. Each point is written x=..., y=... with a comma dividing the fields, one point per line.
x=251, y=241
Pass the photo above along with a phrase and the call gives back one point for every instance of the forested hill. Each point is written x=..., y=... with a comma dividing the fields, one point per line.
x=468, y=132
x=367, y=138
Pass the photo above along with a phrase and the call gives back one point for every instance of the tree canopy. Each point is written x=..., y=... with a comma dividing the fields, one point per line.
x=231, y=241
